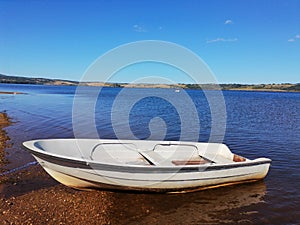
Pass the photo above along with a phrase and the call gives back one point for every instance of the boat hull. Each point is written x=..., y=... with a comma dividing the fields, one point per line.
x=158, y=180
x=83, y=174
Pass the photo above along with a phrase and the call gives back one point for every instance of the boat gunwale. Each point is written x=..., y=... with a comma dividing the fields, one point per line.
x=90, y=164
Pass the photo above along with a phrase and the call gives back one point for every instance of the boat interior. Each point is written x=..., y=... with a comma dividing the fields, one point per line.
x=155, y=153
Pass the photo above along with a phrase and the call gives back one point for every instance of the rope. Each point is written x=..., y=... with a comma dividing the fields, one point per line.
x=19, y=168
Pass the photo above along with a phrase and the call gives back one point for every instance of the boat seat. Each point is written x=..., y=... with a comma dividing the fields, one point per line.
x=218, y=159
x=155, y=158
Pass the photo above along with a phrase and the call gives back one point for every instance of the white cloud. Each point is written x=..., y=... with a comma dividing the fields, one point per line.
x=139, y=28
x=222, y=40
x=228, y=22
x=294, y=38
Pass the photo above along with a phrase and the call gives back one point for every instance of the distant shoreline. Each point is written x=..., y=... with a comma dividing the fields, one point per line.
x=286, y=87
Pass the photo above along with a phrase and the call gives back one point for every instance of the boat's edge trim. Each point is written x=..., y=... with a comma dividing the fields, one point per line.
x=84, y=164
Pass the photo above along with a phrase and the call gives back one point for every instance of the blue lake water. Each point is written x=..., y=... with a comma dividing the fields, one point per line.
x=258, y=124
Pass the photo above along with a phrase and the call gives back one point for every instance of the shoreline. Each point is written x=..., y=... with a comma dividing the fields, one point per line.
x=262, y=90
x=4, y=122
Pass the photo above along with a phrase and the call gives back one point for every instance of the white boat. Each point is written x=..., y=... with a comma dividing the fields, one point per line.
x=160, y=166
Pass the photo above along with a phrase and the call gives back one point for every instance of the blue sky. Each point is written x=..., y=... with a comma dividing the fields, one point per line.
x=245, y=41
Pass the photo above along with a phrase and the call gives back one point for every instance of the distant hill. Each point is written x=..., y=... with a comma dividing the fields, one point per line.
x=262, y=87
x=287, y=87
x=30, y=80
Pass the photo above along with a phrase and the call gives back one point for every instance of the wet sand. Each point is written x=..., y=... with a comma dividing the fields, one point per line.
x=4, y=122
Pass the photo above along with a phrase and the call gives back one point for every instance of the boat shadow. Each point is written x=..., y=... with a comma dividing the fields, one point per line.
x=206, y=206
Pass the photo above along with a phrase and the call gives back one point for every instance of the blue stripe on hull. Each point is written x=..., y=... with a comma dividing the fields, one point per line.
x=140, y=169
